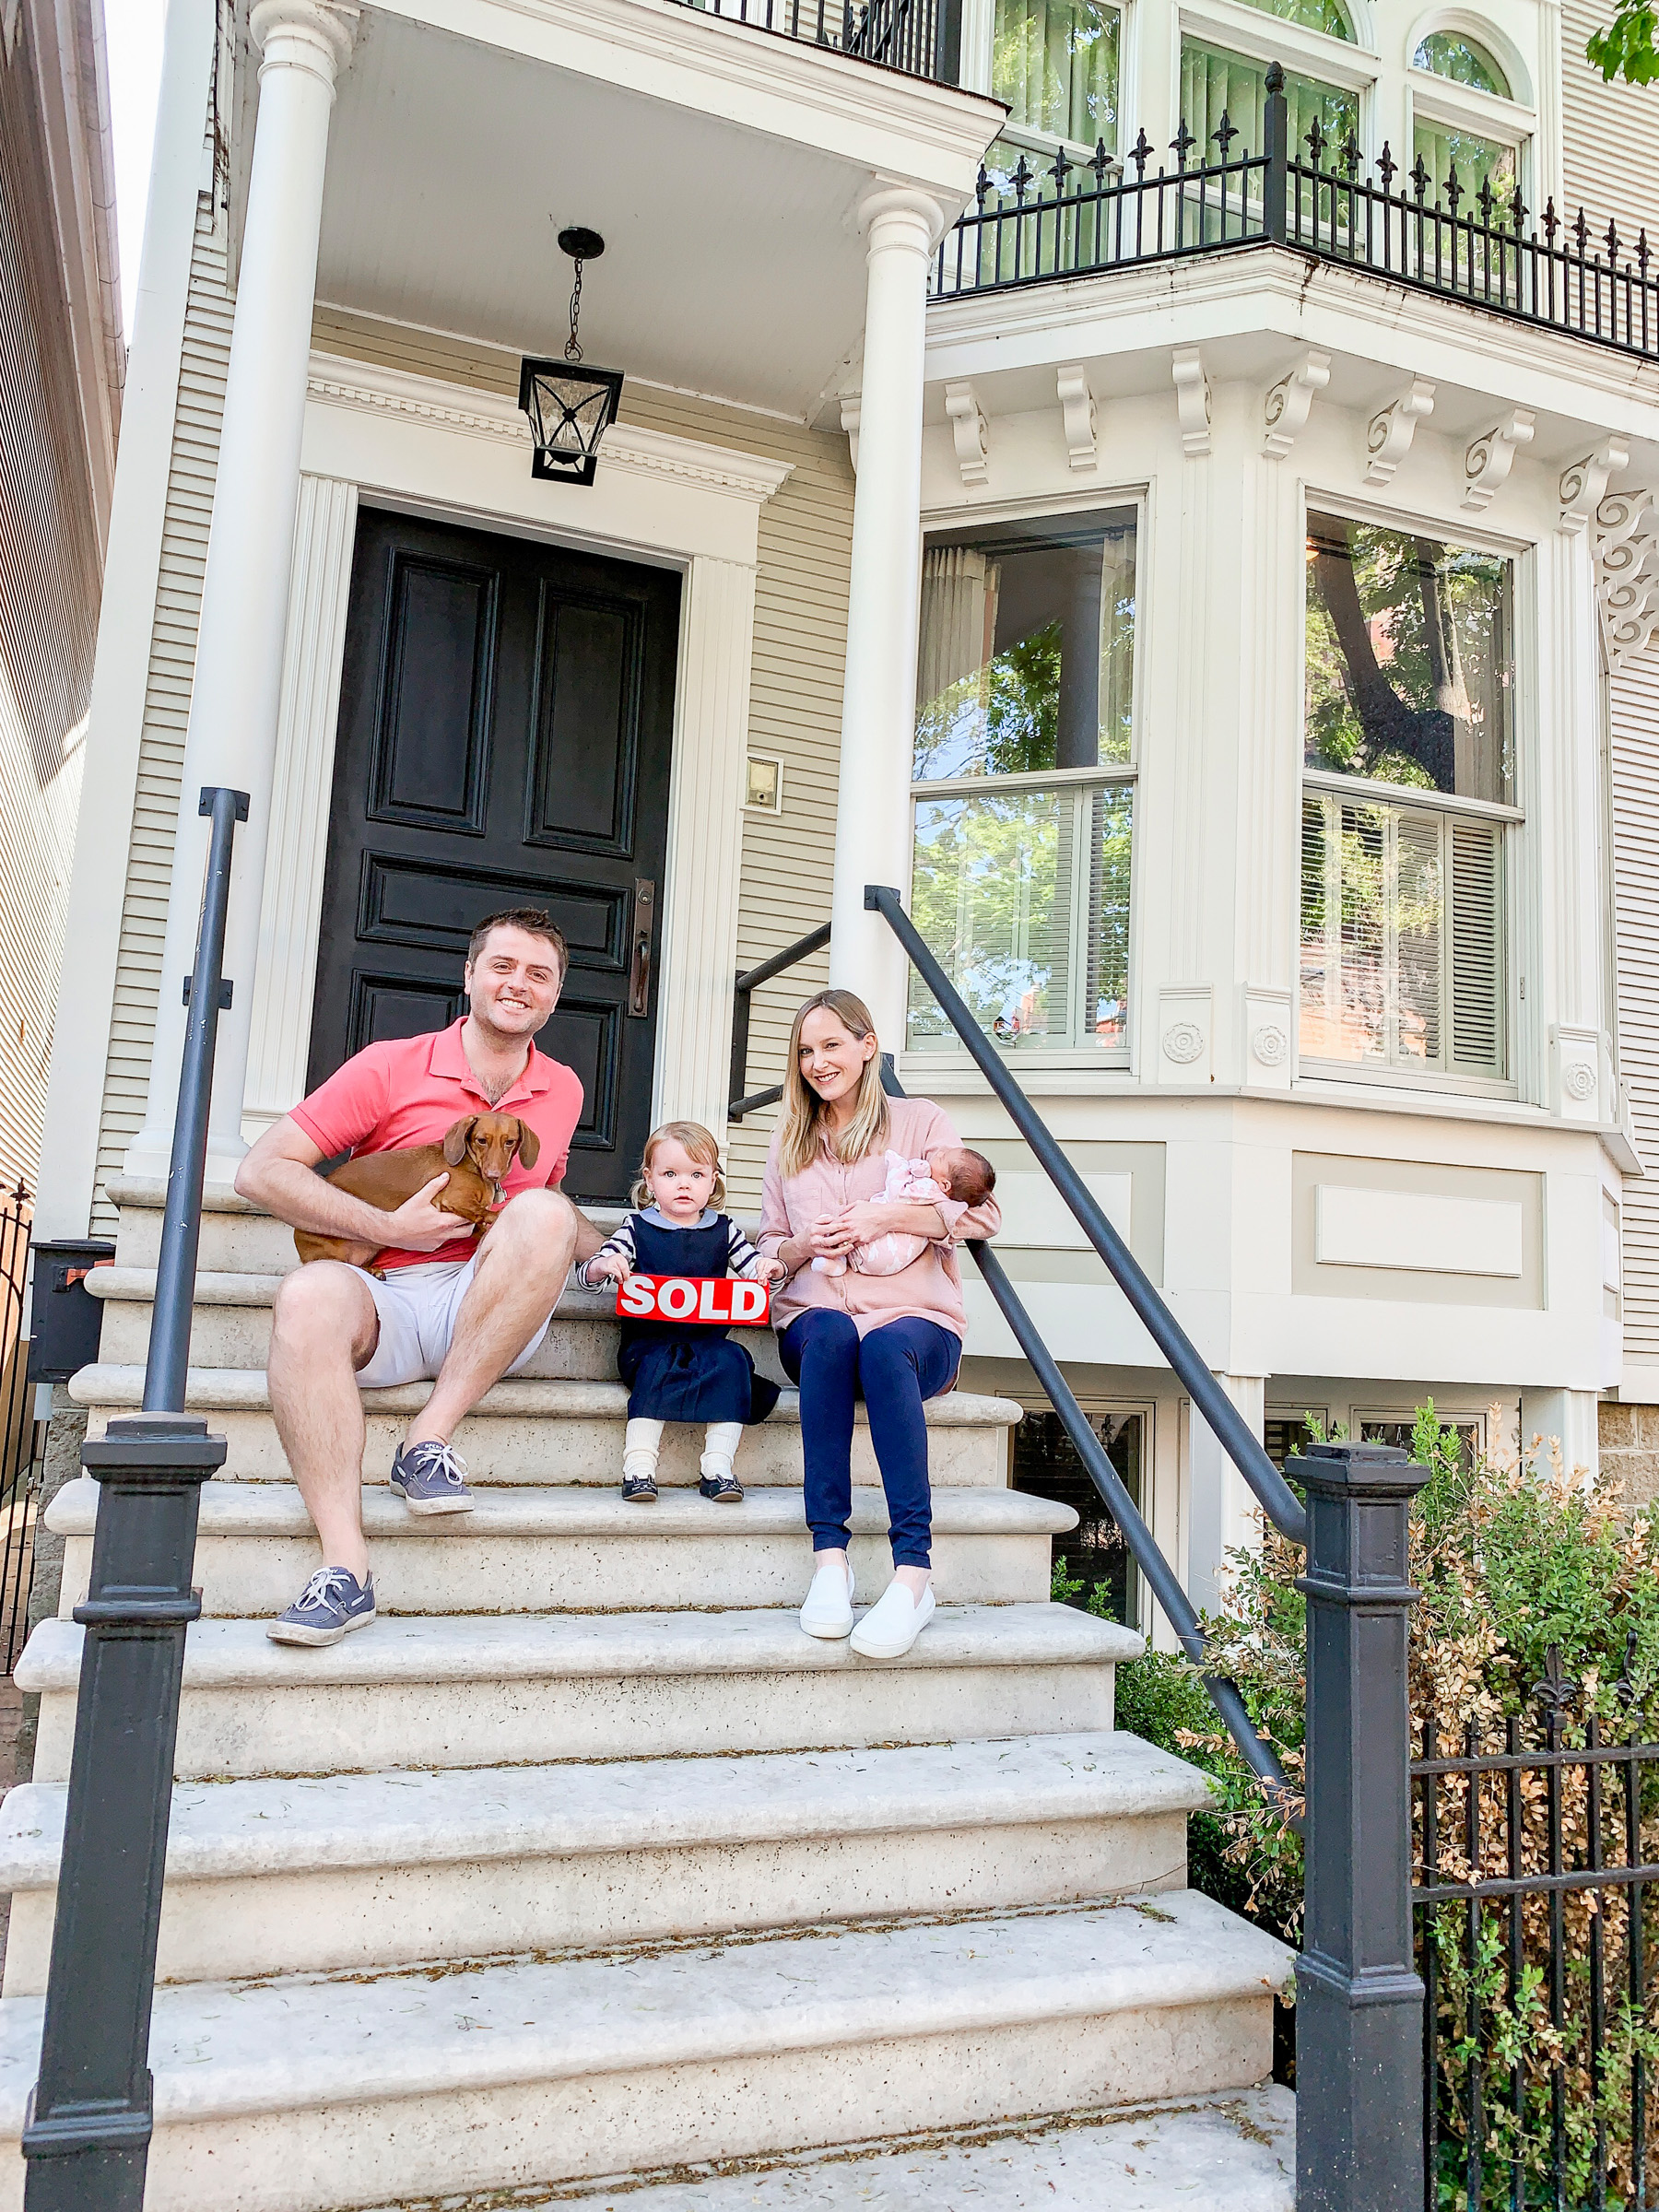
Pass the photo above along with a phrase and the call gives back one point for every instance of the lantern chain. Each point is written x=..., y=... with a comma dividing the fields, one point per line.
x=573, y=351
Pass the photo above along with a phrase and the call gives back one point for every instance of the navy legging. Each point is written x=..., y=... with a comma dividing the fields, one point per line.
x=892, y=1370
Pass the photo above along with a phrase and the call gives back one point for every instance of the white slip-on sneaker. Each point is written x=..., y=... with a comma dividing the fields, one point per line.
x=893, y=1622
x=829, y=1608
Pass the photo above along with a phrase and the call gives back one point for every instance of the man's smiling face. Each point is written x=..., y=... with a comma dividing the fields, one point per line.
x=514, y=983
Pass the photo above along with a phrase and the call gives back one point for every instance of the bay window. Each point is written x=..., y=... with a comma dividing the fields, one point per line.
x=1215, y=83
x=1023, y=784
x=1408, y=789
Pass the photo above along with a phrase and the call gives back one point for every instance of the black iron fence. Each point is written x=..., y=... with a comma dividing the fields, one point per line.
x=1537, y=1852
x=1438, y=234
x=22, y=1438
x=923, y=38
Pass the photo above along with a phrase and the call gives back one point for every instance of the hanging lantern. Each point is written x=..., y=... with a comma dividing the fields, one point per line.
x=571, y=406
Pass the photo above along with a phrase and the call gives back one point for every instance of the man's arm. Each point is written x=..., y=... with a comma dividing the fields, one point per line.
x=278, y=1173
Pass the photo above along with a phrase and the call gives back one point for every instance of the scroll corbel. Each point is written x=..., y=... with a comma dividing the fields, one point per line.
x=1584, y=484
x=1489, y=460
x=970, y=432
x=1285, y=411
x=1388, y=436
x=1077, y=414
x=1191, y=400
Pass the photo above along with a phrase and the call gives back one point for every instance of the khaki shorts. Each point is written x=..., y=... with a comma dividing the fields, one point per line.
x=417, y=1308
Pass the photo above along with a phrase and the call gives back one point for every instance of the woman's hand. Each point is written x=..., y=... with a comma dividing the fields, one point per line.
x=829, y=1237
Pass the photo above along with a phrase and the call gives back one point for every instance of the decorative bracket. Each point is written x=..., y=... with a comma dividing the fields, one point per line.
x=1191, y=400
x=1388, y=436
x=1285, y=410
x=971, y=432
x=1627, y=588
x=851, y=414
x=1488, y=462
x=1584, y=484
x=1077, y=413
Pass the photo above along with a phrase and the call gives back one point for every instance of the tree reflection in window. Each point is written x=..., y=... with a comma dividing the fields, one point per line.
x=1409, y=660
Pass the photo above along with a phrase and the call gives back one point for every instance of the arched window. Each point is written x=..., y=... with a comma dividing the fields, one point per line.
x=1328, y=16
x=1448, y=53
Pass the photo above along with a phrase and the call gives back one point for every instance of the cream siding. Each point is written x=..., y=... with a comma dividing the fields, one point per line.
x=1610, y=168
x=167, y=697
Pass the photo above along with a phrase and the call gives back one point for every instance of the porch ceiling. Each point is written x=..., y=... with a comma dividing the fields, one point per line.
x=732, y=264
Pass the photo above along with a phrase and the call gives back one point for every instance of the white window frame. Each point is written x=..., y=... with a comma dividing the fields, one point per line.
x=978, y=30
x=1095, y=1409
x=1510, y=819
x=1118, y=1064
x=1452, y=107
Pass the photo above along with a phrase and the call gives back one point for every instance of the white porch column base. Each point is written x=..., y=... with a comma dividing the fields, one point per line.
x=1222, y=1507
x=234, y=698
x=879, y=703
x=1569, y=1418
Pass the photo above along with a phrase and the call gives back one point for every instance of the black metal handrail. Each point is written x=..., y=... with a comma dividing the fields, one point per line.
x=748, y=982
x=1079, y=218
x=919, y=38
x=87, y=2137
x=1358, y=2071
x=1272, y=1492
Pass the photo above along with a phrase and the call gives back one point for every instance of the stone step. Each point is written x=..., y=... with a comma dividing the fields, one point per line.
x=1233, y=2152
x=231, y=1326
x=532, y=1551
x=353, y=1873
x=311, y=2095
x=528, y=1688
x=524, y=1432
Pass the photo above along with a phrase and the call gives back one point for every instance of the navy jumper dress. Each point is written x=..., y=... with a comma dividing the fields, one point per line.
x=684, y=1370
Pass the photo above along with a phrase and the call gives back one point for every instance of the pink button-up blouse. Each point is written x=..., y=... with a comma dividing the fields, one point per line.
x=930, y=1289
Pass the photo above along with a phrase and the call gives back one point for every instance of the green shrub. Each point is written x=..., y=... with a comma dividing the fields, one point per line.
x=1525, y=1576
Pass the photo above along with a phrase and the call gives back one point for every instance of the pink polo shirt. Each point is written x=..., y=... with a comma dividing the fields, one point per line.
x=409, y=1090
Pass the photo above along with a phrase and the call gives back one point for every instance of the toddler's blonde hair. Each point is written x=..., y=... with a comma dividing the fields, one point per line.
x=693, y=1139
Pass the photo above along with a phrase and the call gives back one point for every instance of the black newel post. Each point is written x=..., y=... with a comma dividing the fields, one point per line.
x=1275, y=137
x=1358, y=2002
x=86, y=2135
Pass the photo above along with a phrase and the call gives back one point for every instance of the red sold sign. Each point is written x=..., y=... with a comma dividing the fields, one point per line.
x=726, y=1300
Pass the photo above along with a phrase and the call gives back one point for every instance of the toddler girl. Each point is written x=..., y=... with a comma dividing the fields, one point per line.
x=953, y=1171
x=681, y=1371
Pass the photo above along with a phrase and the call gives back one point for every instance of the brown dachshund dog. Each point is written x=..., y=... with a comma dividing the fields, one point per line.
x=478, y=1151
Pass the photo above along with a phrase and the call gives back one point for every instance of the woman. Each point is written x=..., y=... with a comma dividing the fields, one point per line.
x=893, y=1340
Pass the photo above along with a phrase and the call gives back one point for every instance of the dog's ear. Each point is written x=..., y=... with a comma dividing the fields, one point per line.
x=529, y=1146
x=457, y=1137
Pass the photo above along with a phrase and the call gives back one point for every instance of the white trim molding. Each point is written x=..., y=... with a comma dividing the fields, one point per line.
x=458, y=454
x=1077, y=416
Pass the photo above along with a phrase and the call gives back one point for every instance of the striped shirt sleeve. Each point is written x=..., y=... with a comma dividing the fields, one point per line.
x=620, y=1244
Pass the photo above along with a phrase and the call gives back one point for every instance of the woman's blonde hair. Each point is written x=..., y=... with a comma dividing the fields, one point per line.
x=800, y=1126
x=692, y=1138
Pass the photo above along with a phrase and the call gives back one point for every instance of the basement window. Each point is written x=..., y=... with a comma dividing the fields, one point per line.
x=1023, y=786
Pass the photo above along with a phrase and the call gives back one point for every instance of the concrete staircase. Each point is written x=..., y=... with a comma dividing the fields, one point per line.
x=583, y=1862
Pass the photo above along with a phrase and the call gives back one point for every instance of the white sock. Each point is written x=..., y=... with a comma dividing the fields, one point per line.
x=720, y=1446
x=640, y=1448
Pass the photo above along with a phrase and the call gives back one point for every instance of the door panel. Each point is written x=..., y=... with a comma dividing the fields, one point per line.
x=506, y=716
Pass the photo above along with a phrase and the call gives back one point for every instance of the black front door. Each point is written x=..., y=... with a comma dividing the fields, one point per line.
x=506, y=715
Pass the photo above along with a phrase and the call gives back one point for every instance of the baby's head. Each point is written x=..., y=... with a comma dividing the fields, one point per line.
x=681, y=1172
x=961, y=1174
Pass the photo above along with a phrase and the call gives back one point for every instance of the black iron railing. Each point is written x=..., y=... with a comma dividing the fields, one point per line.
x=86, y=2135
x=1538, y=1859
x=1435, y=233
x=1359, y=2074
x=749, y=980
x=921, y=37
x=22, y=1438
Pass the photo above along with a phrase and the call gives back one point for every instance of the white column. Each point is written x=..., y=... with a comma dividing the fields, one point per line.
x=879, y=703
x=234, y=700
x=1221, y=1504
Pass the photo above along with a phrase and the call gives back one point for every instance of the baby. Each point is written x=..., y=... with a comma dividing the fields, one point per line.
x=953, y=1171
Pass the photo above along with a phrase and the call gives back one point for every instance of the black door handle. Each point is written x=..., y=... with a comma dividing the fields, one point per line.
x=644, y=925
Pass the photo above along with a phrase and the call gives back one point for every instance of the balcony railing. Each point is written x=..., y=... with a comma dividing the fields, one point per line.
x=1079, y=218
x=920, y=38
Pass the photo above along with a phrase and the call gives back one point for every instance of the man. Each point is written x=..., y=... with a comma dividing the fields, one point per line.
x=464, y=1314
